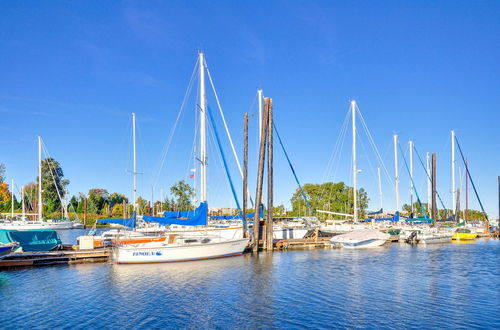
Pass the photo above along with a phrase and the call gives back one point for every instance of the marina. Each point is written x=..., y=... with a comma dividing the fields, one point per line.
x=249, y=165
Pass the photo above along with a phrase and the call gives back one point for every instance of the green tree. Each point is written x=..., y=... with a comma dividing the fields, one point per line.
x=117, y=198
x=329, y=196
x=182, y=193
x=53, y=184
x=142, y=206
x=96, y=200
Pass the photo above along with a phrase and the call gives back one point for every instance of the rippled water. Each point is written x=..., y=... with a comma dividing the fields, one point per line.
x=441, y=286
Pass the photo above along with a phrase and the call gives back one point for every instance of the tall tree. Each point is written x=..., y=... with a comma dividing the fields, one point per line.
x=97, y=199
x=53, y=184
x=182, y=193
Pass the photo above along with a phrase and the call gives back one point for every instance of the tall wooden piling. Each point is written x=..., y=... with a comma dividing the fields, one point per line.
x=260, y=178
x=434, y=205
x=467, y=189
x=269, y=222
x=245, y=173
x=85, y=213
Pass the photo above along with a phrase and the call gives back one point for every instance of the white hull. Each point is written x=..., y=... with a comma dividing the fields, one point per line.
x=364, y=244
x=27, y=225
x=227, y=232
x=423, y=237
x=361, y=239
x=181, y=251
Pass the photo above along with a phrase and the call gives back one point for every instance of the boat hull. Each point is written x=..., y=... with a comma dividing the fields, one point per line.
x=148, y=253
x=364, y=244
x=27, y=225
x=464, y=236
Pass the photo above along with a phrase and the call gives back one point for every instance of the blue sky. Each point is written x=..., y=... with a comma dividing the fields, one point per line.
x=73, y=72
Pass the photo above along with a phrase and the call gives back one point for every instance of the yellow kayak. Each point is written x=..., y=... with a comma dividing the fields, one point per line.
x=464, y=234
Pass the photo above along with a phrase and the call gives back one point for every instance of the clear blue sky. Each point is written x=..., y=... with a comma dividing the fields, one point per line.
x=73, y=72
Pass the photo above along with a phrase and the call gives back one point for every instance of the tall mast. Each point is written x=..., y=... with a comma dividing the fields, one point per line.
x=135, y=161
x=453, y=192
x=12, y=200
x=380, y=189
x=40, y=205
x=428, y=183
x=410, y=144
x=203, y=138
x=396, y=175
x=354, y=170
x=466, y=189
x=22, y=202
x=261, y=100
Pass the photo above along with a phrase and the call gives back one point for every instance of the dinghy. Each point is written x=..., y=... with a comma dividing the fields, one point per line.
x=362, y=238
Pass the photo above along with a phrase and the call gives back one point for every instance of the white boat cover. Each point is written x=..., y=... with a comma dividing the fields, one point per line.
x=361, y=235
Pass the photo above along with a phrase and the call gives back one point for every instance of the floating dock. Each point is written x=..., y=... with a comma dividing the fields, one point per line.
x=30, y=259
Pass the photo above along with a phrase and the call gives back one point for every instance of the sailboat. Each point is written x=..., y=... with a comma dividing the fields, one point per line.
x=185, y=246
x=40, y=223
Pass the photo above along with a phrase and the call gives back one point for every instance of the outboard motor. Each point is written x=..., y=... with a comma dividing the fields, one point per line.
x=412, y=239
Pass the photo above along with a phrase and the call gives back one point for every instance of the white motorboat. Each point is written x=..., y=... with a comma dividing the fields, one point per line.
x=179, y=248
x=361, y=239
x=423, y=236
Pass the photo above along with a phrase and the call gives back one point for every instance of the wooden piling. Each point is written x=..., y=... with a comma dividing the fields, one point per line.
x=85, y=213
x=245, y=173
x=260, y=179
x=269, y=223
x=434, y=205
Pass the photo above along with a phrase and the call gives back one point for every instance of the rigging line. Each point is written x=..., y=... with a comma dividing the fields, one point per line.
x=334, y=160
x=428, y=177
x=416, y=193
x=227, y=129
x=470, y=178
x=374, y=146
x=51, y=173
x=225, y=162
x=166, y=147
x=291, y=167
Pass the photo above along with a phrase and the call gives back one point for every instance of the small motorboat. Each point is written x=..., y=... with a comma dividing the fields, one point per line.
x=361, y=238
x=6, y=249
x=462, y=234
x=423, y=236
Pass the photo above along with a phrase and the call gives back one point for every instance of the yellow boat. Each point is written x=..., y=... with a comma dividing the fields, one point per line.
x=464, y=234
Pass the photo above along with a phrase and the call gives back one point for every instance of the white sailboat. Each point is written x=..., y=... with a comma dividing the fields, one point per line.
x=185, y=247
x=25, y=224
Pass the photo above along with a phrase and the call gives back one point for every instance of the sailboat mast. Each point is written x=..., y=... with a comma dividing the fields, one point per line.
x=40, y=210
x=380, y=189
x=396, y=175
x=135, y=161
x=22, y=203
x=428, y=184
x=203, y=138
x=12, y=200
x=453, y=192
x=354, y=170
x=410, y=144
x=261, y=100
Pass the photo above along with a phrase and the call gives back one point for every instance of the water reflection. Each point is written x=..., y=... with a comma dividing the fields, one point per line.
x=400, y=286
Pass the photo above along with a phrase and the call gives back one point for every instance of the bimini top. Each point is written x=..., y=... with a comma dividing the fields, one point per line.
x=197, y=217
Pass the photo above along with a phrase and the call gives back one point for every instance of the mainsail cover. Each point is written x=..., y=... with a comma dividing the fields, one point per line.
x=197, y=217
x=129, y=222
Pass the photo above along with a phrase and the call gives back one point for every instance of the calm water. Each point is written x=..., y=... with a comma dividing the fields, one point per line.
x=443, y=286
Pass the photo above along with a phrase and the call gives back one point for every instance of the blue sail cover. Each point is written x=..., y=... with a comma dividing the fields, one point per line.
x=376, y=212
x=33, y=239
x=130, y=222
x=196, y=217
x=395, y=218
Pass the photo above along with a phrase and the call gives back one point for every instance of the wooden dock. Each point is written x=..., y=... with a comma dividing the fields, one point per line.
x=31, y=259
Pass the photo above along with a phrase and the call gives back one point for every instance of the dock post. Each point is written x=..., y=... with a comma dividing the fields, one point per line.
x=269, y=225
x=260, y=179
x=245, y=173
x=85, y=213
x=434, y=205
